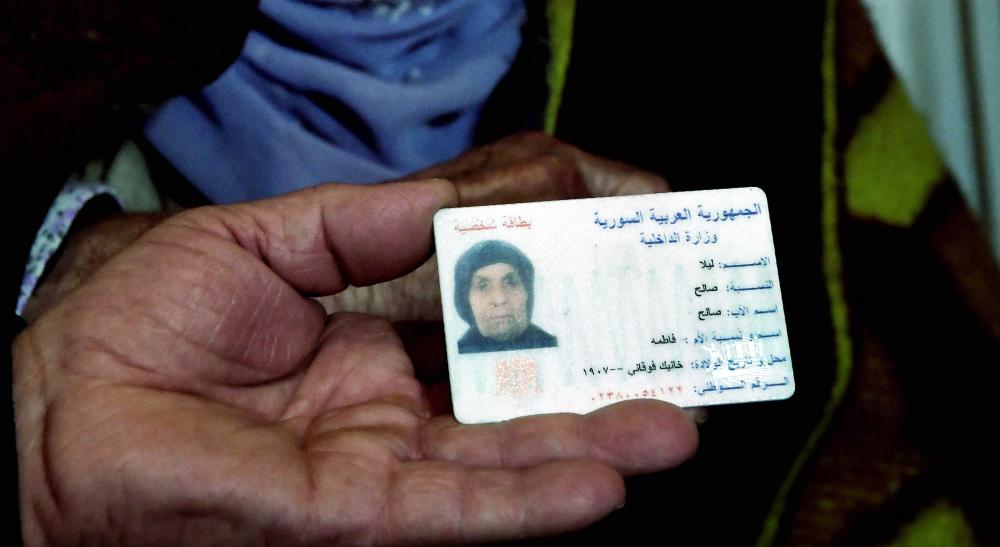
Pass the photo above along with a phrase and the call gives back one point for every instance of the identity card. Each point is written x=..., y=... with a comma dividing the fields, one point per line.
x=568, y=306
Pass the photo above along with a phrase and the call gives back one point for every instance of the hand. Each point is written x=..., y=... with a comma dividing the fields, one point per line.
x=518, y=169
x=534, y=166
x=188, y=393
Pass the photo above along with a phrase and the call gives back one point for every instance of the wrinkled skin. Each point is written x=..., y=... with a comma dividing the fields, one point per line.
x=525, y=167
x=187, y=392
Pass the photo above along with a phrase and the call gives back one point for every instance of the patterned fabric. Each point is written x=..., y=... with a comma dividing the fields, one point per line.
x=65, y=208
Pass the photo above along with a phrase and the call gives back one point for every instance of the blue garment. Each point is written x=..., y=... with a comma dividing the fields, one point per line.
x=341, y=91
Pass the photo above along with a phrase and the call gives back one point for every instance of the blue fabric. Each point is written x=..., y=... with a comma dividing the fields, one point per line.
x=342, y=91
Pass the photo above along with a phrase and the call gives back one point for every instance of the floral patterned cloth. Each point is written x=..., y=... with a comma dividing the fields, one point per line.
x=67, y=205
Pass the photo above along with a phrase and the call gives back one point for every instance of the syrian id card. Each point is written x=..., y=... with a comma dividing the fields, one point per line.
x=568, y=306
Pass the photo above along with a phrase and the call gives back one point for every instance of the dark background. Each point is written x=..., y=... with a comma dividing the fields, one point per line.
x=718, y=95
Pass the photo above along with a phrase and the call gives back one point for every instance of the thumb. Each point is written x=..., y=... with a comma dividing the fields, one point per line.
x=324, y=238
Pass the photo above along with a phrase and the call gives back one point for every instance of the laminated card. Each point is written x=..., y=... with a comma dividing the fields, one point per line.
x=568, y=306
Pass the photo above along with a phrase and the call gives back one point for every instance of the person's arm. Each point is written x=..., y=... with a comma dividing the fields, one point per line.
x=72, y=76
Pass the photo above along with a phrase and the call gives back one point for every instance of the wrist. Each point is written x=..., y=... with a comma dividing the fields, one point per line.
x=83, y=252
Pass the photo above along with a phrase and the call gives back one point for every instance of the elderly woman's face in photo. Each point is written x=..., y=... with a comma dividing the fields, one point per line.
x=499, y=301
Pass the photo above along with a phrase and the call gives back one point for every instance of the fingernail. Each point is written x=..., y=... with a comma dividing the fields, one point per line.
x=699, y=414
x=446, y=190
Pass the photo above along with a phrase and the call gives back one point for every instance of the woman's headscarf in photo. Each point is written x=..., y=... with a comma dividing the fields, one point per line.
x=487, y=253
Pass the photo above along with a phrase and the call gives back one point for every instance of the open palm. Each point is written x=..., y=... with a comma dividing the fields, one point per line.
x=191, y=392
